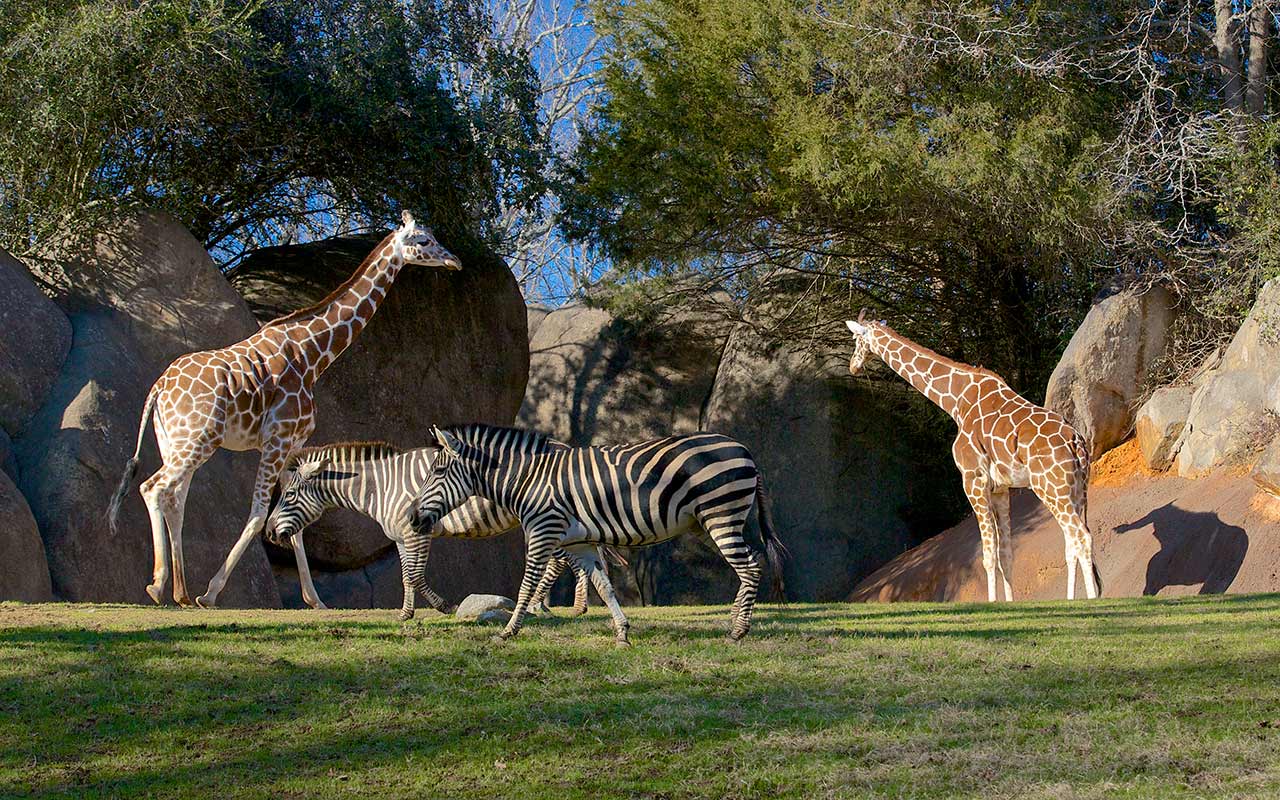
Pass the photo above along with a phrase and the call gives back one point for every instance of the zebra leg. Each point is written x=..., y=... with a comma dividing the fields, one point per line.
x=588, y=559
x=727, y=534
x=538, y=603
x=413, y=569
x=406, y=607
x=544, y=538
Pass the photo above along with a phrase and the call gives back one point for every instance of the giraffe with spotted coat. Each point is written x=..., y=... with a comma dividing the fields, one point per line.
x=256, y=395
x=1005, y=441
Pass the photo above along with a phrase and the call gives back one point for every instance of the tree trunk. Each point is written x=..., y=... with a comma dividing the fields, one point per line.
x=1259, y=35
x=1227, y=44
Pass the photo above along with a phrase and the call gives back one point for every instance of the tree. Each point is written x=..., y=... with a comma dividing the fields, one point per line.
x=258, y=122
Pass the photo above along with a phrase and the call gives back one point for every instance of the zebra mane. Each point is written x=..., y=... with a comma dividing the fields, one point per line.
x=346, y=451
x=486, y=437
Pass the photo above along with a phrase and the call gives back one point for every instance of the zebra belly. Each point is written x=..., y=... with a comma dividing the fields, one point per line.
x=591, y=532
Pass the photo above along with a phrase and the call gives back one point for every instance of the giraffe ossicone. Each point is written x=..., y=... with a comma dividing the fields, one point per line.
x=1004, y=441
x=257, y=394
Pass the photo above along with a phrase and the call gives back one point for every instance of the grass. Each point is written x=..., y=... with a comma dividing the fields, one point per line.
x=1114, y=698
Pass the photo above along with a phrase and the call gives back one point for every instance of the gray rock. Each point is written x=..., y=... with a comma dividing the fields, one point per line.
x=474, y=605
x=536, y=314
x=1233, y=403
x=1160, y=423
x=1106, y=365
x=494, y=616
x=36, y=338
x=443, y=348
x=24, y=571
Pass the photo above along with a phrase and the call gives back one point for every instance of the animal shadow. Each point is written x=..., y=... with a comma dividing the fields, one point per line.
x=1196, y=547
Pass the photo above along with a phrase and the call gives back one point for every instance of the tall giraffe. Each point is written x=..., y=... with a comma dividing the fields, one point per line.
x=256, y=395
x=1004, y=441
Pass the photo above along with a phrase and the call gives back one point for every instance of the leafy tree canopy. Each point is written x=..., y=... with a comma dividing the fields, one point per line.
x=257, y=122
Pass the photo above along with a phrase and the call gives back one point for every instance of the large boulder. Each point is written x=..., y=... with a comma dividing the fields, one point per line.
x=1153, y=535
x=141, y=292
x=1106, y=365
x=1234, y=405
x=1160, y=424
x=536, y=314
x=838, y=480
x=24, y=571
x=36, y=338
x=443, y=348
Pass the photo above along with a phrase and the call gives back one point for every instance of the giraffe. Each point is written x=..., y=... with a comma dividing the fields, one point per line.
x=1004, y=441
x=256, y=395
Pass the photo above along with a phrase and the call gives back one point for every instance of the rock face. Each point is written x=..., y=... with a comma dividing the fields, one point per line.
x=443, y=348
x=1234, y=406
x=1161, y=535
x=37, y=336
x=595, y=379
x=168, y=298
x=1160, y=424
x=1106, y=364
x=24, y=572
x=1266, y=473
x=536, y=314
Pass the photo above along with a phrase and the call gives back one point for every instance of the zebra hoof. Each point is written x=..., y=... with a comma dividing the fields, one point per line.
x=579, y=611
x=621, y=644
x=405, y=616
x=498, y=638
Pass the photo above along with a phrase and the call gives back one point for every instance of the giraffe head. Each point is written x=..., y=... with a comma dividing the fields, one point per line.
x=861, y=342
x=418, y=246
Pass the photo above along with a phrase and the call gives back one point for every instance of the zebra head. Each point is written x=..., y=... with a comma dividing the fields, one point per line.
x=299, y=504
x=862, y=342
x=452, y=480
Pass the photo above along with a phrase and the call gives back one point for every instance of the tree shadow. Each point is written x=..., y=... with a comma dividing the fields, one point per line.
x=1196, y=547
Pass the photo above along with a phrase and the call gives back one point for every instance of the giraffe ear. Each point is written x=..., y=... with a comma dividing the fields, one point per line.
x=862, y=314
x=406, y=218
x=856, y=327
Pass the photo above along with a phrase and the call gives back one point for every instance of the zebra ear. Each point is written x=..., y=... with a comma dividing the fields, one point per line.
x=448, y=442
x=312, y=468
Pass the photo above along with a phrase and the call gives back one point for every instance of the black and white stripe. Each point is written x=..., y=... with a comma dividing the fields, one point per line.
x=381, y=481
x=627, y=496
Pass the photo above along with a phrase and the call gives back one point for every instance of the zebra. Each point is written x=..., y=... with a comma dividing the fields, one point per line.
x=380, y=481
x=629, y=496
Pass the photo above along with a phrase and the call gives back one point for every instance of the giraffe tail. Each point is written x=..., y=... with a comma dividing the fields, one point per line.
x=774, y=549
x=131, y=467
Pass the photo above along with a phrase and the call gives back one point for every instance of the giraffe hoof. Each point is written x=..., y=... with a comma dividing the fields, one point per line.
x=184, y=601
x=320, y=606
x=154, y=592
x=204, y=601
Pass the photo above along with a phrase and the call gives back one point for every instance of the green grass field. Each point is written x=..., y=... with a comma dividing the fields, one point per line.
x=1118, y=698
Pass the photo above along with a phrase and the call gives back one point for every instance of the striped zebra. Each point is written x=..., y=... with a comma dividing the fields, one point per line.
x=628, y=496
x=380, y=481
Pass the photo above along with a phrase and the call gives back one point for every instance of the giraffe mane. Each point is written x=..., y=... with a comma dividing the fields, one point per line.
x=950, y=362
x=344, y=286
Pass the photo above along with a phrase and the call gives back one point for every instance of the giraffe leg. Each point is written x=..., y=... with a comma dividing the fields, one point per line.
x=173, y=516
x=975, y=487
x=272, y=461
x=1004, y=541
x=544, y=538
x=159, y=540
x=309, y=595
x=1065, y=500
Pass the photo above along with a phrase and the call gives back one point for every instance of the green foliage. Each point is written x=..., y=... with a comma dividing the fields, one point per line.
x=248, y=120
x=1140, y=698
x=755, y=140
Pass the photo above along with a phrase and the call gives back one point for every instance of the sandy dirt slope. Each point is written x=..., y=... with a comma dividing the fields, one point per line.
x=1153, y=534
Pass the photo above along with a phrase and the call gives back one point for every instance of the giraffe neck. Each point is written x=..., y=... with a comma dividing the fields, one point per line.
x=326, y=332
x=940, y=379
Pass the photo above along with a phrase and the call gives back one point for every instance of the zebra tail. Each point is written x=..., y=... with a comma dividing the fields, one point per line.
x=774, y=549
x=130, y=467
